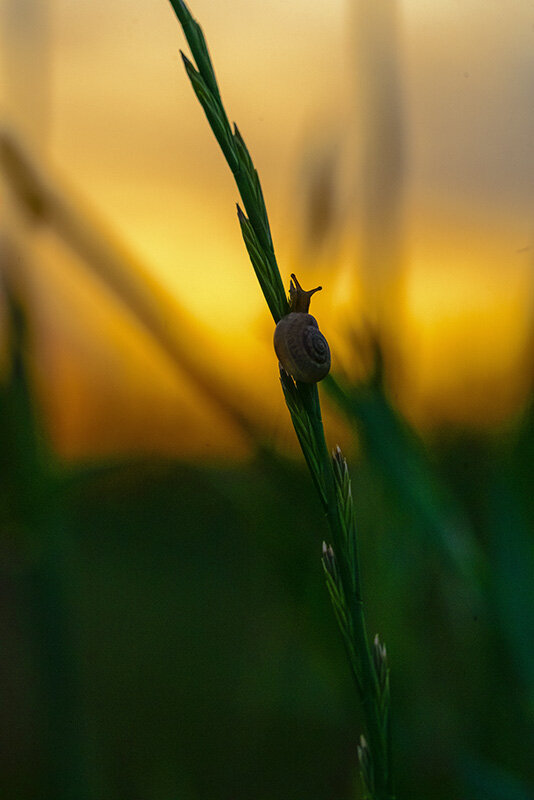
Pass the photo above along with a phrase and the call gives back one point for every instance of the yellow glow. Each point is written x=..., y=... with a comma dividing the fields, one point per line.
x=125, y=130
x=467, y=330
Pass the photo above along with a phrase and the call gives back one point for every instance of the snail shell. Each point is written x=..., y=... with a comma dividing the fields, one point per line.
x=301, y=347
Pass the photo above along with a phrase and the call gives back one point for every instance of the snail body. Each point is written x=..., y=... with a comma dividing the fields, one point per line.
x=301, y=348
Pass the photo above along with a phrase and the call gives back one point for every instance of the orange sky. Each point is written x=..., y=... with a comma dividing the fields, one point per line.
x=111, y=113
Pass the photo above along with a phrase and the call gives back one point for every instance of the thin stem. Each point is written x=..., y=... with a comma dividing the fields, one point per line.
x=365, y=675
x=330, y=477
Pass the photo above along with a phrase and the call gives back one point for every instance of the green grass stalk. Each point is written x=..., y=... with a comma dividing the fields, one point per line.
x=32, y=501
x=330, y=474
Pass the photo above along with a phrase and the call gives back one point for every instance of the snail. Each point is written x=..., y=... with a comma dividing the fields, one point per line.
x=299, y=344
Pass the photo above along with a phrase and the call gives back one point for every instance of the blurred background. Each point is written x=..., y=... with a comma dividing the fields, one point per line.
x=164, y=625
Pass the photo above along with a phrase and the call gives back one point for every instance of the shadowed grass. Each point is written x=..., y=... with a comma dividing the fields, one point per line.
x=32, y=506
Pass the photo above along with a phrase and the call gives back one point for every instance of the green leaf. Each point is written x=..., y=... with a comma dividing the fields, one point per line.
x=263, y=268
x=214, y=112
x=197, y=43
x=249, y=172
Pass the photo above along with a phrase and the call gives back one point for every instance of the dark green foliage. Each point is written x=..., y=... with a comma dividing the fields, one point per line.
x=404, y=468
x=207, y=664
x=34, y=529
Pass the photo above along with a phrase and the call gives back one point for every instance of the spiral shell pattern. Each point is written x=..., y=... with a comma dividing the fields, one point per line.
x=301, y=348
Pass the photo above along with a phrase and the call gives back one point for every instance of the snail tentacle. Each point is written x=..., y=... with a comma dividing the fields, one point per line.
x=299, y=344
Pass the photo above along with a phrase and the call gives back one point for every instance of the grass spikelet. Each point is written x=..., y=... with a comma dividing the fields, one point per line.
x=330, y=474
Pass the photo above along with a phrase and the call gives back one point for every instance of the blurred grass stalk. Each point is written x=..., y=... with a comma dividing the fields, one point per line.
x=400, y=461
x=378, y=108
x=30, y=486
x=33, y=511
x=34, y=200
x=330, y=475
x=39, y=201
x=390, y=445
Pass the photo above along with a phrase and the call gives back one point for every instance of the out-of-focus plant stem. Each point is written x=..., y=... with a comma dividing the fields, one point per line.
x=34, y=505
x=40, y=201
x=394, y=450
